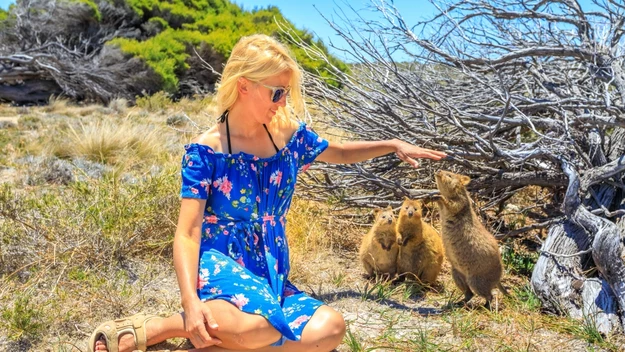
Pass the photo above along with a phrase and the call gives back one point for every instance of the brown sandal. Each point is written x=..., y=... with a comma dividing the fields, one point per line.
x=112, y=329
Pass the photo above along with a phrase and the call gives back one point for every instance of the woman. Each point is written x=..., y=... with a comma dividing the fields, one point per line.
x=230, y=252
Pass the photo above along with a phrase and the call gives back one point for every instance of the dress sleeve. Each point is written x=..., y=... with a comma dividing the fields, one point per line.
x=196, y=173
x=309, y=146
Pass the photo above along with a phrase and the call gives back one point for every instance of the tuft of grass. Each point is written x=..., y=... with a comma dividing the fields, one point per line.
x=352, y=341
x=177, y=120
x=57, y=105
x=338, y=277
x=467, y=326
x=110, y=142
x=518, y=262
x=423, y=341
x=526, y=298
x=154, y=103
x=90, y=110
x=23, y=318
x=379, y=290
x=119, y=105
x=587, y=330
x=30, y=122
x=195, y=106
x=412, y=290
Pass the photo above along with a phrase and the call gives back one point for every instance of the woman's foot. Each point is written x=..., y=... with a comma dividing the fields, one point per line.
x=126, y=343
x=126, y=340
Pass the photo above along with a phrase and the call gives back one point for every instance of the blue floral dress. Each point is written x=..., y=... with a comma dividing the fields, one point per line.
x=244, y=255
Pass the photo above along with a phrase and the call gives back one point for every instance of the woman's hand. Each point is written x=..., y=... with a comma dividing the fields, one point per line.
x=407, y=152
x=197, y=317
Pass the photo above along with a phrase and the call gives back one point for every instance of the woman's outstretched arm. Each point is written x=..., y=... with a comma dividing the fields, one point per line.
x=353, y=152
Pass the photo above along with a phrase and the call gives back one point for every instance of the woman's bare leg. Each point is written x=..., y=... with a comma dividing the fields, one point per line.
x=322, y=333
x=242, y=331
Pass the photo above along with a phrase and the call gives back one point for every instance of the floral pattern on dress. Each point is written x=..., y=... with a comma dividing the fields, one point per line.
x=244, y=256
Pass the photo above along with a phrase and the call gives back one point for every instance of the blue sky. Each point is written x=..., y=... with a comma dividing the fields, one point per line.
x=306, y=14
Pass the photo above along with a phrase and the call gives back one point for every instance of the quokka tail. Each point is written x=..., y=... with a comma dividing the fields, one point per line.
x=503, y=289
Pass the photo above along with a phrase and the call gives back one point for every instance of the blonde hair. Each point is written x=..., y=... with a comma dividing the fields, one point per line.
x=257, y=57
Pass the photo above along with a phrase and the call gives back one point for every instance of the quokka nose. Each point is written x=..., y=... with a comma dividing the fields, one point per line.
x=410, y=213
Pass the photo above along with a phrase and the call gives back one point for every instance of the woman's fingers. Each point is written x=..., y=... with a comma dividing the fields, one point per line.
x=201, y=332
x=201, y=338
x=429, y=153
x=438, y=154
x=208, y=317
x=410, y=161
x=418, y=152
x=198, y=320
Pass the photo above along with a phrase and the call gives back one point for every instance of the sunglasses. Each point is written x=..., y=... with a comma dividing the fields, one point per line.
x=277, y=92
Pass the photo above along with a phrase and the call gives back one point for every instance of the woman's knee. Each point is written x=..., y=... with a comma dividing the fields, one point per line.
x=336, y=325
x=327, y=324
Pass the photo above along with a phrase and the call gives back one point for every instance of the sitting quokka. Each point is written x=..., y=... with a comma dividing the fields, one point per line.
x=420, y=254
x=472, y=250
x=378, y=250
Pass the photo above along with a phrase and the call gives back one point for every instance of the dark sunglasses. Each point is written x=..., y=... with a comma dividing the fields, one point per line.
x=277, y=92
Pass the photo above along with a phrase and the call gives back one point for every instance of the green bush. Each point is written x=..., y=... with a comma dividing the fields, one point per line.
x=94, y=7
x=218, y=23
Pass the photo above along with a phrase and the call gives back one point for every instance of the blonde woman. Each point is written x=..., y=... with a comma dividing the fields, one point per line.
x=230, y=250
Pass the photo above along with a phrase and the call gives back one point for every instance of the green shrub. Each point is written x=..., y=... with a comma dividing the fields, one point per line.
x=155, y=102
x=218, y=23
x=94, y=7
x=22, y=318
x=518, y=262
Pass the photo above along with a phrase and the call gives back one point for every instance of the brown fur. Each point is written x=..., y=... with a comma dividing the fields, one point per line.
x=378, y=250
x=420, y=254
x=472, y=250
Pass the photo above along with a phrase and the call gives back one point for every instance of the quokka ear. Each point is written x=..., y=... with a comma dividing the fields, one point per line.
x=406, y=198
x=465, y=179
x=389, y=208
x=377, y=211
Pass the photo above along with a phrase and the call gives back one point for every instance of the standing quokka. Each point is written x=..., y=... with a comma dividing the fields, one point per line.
x=472, y=250
x=378, y=250
x=420, y=247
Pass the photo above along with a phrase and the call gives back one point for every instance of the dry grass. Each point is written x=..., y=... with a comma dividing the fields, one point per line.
x=154, y=103
x=110, y=141
x=119, y=105
x=195, y=106
x=56, y=105
x=98, y=246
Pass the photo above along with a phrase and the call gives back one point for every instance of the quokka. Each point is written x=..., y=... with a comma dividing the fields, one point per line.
x=378, y=250
x=470, y=248
x=420, y=254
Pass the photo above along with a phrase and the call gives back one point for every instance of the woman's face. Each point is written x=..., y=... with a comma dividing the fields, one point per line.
x=264, y=108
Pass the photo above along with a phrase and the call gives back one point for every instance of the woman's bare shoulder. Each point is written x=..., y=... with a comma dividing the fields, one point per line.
x=291, y=126
x=211, y=138
x=286, y=129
